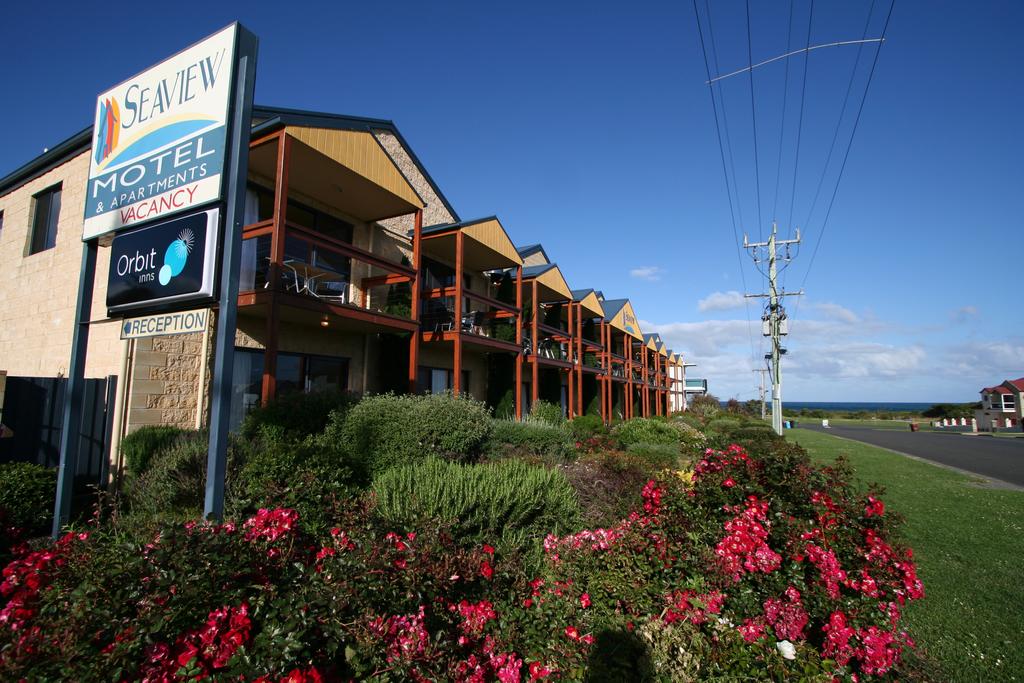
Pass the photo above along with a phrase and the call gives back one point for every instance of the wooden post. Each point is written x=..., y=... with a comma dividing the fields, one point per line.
x=277, y=240
x=645, y=408
x=535, y=314
x=414, y=337
x=604, y=362
x=627, y=349
x=579, y=357
x=519, y=343
x=457, y=345
x=571, y=408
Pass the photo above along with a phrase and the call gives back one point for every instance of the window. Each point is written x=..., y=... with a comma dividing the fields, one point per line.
x=328, y=225
x=295, y=372
x=44, y=220
x=259, y=204
x=247, y=384
x=439, y=380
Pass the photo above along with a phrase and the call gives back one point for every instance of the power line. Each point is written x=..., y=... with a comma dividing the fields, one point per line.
x=785, y=100
x=721, y=150
x=835, y=137
x=842, y=115
x=753, y=120
x=846, y=156
x=800, y=124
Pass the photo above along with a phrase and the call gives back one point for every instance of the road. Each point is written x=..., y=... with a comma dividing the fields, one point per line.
x=995, y=458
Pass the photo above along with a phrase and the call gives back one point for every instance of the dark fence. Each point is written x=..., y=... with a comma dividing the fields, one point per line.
x=34, y=407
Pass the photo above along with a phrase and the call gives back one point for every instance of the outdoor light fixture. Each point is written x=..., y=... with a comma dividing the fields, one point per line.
x=324, y=322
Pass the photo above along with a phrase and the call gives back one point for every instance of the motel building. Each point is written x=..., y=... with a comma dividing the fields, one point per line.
x=357, y=275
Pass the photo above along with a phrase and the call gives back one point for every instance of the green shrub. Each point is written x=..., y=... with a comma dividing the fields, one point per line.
x=290, y=473
x=387, y=430
x=586, y=427
x=658, y=455
x=647, y=431
x=690, y=420
x=547, y=412
x=139, y=447
x=175, y=482
x=27, y=492
x=608, y=486
x=531, y=438
x=507, y=500
x=298, y=414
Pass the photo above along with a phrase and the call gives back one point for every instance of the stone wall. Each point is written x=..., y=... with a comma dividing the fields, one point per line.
x=165, y=386
x=38, y=292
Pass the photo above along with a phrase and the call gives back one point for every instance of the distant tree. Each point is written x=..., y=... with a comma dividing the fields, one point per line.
x=951, y=410
x=705, y=406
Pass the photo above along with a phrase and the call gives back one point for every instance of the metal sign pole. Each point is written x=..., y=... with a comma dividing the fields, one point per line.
x=71, y=423
x=224, y=353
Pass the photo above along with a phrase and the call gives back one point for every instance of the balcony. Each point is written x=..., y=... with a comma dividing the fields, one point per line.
x=320, y=273
x=461, y=301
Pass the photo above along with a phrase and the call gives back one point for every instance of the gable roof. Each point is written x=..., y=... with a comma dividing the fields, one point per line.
x=589, y=302
x=1018, y=384
x=549, y=276
x=619, y=314
x=488, y=232
x=529, y=250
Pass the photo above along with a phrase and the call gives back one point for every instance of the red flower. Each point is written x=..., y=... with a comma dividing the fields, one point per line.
x=488, y=549
x=572, y=633
x=874, y=508
x=486, y=570
x=538, y=671
x=585, y=600
x=729, y=483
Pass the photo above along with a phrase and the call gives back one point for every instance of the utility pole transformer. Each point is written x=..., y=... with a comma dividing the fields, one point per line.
x=774, y=322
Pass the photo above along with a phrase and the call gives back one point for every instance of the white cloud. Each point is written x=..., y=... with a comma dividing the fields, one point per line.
x=837, y=312
x=963, y=314
x=721, y=301
x=649, y=273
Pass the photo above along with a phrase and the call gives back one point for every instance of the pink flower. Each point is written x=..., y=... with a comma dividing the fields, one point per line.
x=572, y=633
x=729, y=483
x=585, y=600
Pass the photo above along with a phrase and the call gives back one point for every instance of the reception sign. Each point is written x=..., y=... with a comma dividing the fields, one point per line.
x=170, y=262
x=159, y=139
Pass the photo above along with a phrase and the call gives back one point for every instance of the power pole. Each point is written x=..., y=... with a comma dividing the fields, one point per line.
x=774, y=323
x=762, y=371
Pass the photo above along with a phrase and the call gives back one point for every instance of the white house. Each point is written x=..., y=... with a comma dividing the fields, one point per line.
x=1001, y=406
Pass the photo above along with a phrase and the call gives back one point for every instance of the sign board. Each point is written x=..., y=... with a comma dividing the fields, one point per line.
x=166, y=263
x=162, y=324
x=160, y=137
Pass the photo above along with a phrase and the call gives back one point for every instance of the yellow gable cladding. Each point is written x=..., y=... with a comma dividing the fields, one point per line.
x=362, y=153
x=553, y=280
x=492, y=235
x=592, y=305
x=626, y=321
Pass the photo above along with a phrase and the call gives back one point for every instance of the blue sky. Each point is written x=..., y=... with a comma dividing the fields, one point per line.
x=588, y=127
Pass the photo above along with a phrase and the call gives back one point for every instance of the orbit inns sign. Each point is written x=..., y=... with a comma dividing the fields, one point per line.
x=164, y=264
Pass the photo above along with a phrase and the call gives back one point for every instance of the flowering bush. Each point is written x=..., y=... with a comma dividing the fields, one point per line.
x=753, y=567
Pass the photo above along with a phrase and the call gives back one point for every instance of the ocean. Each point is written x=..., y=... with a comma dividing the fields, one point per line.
x=877, y=407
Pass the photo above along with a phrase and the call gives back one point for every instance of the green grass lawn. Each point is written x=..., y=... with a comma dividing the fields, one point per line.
x=969, y=545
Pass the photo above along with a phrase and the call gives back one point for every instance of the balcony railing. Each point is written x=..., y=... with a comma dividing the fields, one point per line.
x=483, y=315
x=325, y=270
